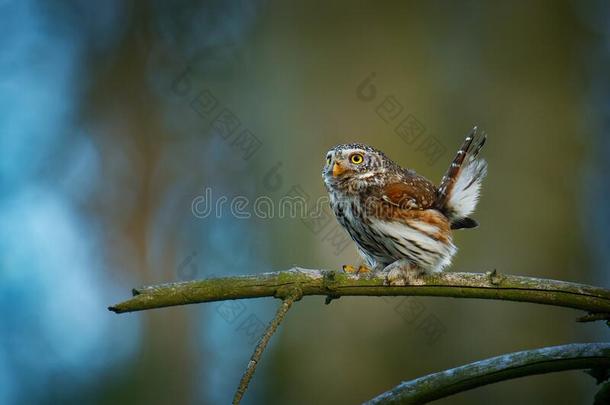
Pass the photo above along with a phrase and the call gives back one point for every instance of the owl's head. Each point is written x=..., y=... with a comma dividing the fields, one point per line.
x=354, y=166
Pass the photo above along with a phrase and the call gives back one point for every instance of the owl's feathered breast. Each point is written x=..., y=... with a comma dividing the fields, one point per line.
x=394, y=218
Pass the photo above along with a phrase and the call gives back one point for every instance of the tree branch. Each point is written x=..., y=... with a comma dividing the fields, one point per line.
x=290, y=298
x=491, y=285
x=292, y=284
x=513, y=365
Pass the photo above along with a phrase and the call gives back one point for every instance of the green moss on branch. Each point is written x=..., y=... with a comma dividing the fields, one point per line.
x=587, y=298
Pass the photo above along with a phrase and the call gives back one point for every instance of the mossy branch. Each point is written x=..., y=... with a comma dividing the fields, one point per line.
x=292, y=284
x=595, y=356
x=492, y=285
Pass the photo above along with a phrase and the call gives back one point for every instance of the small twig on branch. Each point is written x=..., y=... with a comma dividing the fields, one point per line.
x=287, y=301
x=599, y=316
x=540, y=361
x=492, y=285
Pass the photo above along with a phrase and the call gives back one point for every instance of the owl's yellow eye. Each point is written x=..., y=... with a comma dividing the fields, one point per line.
x=356, y=158
x=328, y=160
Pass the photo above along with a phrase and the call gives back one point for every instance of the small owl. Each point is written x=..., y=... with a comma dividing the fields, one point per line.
x=400, y=221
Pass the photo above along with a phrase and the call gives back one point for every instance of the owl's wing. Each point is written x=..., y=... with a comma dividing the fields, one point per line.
x=414, y=193
x=412, y=202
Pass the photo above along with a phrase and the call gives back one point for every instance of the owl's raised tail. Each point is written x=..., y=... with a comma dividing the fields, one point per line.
x=460, y=187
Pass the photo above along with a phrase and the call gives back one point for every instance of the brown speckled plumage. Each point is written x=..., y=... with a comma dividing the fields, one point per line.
x=397, y=216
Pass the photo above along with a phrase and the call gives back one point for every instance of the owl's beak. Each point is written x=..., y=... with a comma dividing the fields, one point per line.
x=338, y=169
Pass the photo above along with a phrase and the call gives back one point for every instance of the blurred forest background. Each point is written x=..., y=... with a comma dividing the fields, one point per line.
x=108, y=132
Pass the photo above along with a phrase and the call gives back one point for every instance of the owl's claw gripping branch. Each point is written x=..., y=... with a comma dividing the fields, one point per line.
x=402, y=272
x=362, y=269
x=348, y=268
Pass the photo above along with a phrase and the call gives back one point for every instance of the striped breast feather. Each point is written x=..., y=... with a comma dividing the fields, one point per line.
x=417, y=241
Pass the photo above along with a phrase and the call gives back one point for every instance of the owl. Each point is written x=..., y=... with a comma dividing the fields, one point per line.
x=400, y=221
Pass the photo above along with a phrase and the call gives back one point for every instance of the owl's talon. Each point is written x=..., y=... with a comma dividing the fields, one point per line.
x=348, y=268
x=401, y=274
x=363, y=269
x=396, y=277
